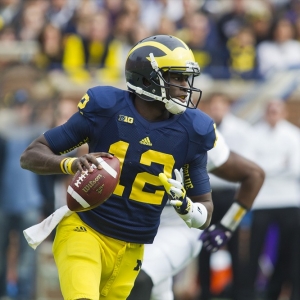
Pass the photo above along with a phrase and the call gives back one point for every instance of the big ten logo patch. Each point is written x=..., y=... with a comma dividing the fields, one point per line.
x=125, y=119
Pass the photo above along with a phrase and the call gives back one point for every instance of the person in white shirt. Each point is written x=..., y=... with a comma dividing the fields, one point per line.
x=281, y=52
x=277, y=151
x=238, y=135
x=176, y=245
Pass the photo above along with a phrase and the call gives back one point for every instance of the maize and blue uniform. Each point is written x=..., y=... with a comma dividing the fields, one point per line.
x=175, y=244
x=109, y=122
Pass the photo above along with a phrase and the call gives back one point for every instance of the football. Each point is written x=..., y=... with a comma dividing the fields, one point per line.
x=88, y=190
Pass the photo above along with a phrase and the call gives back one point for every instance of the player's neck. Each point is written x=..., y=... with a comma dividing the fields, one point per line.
x=152, y=111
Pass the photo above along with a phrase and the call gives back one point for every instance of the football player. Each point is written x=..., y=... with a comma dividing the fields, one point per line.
x=154, y=129
x=175, y=245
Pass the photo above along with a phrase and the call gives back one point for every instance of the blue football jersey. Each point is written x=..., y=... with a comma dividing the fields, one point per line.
x=108, y=121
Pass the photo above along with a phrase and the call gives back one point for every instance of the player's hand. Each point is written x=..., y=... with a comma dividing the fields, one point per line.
x=176, y=191
x=214, y=237
x=86, y=160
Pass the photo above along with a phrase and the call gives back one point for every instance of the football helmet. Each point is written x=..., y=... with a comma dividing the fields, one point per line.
x=149, y=65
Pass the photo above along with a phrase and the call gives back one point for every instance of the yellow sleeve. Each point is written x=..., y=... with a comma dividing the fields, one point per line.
x=112, y=70
x=74, y=58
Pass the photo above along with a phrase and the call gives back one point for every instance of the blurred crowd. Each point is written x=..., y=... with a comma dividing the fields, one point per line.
x=247, y=39
x=88, y=41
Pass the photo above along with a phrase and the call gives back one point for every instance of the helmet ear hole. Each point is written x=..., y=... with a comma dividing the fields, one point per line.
x=146, y=82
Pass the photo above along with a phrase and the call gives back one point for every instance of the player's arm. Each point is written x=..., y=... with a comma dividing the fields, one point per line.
x=43, y=155
x=247, y=173
x=40, y=159
x=251, y=177
x=206, y=201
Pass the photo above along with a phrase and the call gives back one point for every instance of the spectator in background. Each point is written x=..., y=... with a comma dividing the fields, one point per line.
x=297, y=28
x=32, y=20
x=259, y=18
x=139, y=32
x=80, y=19
x=93, y=50
x=230, y=22
x=153, y=10
x=132, y=8
x=242, y=54
x=166, y=26
x=23, y=195
x=219, y=108
x=133, y=33
x=113, y=8
x=128, y=29
x=279, y=6
x=189, y=8
x=51, y=50
x=198, y=37
x=277, y=147
x=60, y=12
x=7, y=35
x=9, y=12
x=238, y=134
x=124, y=25
x=293, y=10
x=281, y=52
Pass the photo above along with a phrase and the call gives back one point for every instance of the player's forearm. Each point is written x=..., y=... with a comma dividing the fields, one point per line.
x=247, y=173
x=251, y=177
x=208, y=203
x=39, y=159
x=207, y=223
x=250, y=186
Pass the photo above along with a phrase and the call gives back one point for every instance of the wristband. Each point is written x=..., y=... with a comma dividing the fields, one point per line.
x=196, y=215
x=66, y=165
x=233, y=216
x=62, y=165
x=69, y=163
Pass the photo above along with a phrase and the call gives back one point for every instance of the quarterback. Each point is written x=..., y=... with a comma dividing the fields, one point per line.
x=154, y=129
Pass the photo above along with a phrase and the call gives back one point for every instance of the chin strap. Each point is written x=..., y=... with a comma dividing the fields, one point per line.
x=174, y=108
x=170, y=105
x=140, y=91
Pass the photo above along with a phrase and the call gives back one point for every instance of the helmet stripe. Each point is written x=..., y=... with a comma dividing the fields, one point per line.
x=158, y=45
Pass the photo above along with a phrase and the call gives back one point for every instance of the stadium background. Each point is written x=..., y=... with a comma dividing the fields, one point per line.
x=40, y=40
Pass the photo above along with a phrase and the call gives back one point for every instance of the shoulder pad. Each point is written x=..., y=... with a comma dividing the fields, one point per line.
x=203, y=129
x=101, y=98
x=201, y=122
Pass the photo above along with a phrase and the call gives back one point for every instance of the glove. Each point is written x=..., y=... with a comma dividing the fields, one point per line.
x=177, y=192
x=215, y=236
x=193, y=214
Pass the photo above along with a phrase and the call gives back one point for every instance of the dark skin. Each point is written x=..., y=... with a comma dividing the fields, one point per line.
x=40, y=159
x=250, y=175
